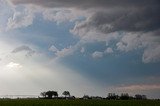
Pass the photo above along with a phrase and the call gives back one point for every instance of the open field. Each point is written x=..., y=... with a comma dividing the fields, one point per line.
x=41, y=102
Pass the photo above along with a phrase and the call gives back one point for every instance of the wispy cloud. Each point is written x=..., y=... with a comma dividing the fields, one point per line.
x=139, y=87
x=53, y=49
x=108, y=50
x=65, y=52
x=97, y=54
x=13, y=66
x=20, y=19
x=27, y=49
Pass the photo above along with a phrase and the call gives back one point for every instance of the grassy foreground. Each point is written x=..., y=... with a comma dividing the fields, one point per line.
x=41, y=102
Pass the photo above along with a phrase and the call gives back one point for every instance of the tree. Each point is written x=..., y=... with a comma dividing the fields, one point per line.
x=112, y=96
x=50, y=94
x=43, y=94
x=138, y=96
x=55, y=94
x=86, y=97
x=66, y=93
x=124, y=96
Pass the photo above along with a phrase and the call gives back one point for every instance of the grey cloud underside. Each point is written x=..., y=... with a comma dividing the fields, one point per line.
x=27, y=49
x=124, y=20
x=126, y=15
x=88, y=3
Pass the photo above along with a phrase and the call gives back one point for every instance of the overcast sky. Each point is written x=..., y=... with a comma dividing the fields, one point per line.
x=84, y=46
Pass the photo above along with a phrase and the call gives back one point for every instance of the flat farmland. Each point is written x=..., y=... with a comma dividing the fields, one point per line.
x=77, y=102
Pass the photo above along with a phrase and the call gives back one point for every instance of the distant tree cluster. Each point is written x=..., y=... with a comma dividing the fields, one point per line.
x=49, y=94
x=54, y=94
x=125, y=96
x=66, y=93
x=138, y=96
x=111, y=96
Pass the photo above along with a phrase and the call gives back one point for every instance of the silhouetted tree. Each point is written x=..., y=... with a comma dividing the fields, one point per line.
x=86, y=97
x=139, y=97
x=66, y=93
x=112, y=96
x=124, y=96
x=50, y=94
x=43, y=94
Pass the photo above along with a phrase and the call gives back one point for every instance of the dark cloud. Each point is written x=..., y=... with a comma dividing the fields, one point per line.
x=27, y=49
x=131, y=20
x=88, y=3
x=125, y=15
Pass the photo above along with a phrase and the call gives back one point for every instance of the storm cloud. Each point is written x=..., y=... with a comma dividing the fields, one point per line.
x=110, y=15
x=88, y=3
x=138, y=18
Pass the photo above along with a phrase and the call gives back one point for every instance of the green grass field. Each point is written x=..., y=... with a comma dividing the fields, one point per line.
x=40, y=102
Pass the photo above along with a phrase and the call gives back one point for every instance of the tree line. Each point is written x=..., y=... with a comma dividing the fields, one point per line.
x=110, y=96
x=126, y=96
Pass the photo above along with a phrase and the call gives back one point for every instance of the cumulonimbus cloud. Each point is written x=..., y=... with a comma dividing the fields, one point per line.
x=138, y=18
x=110, y=15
